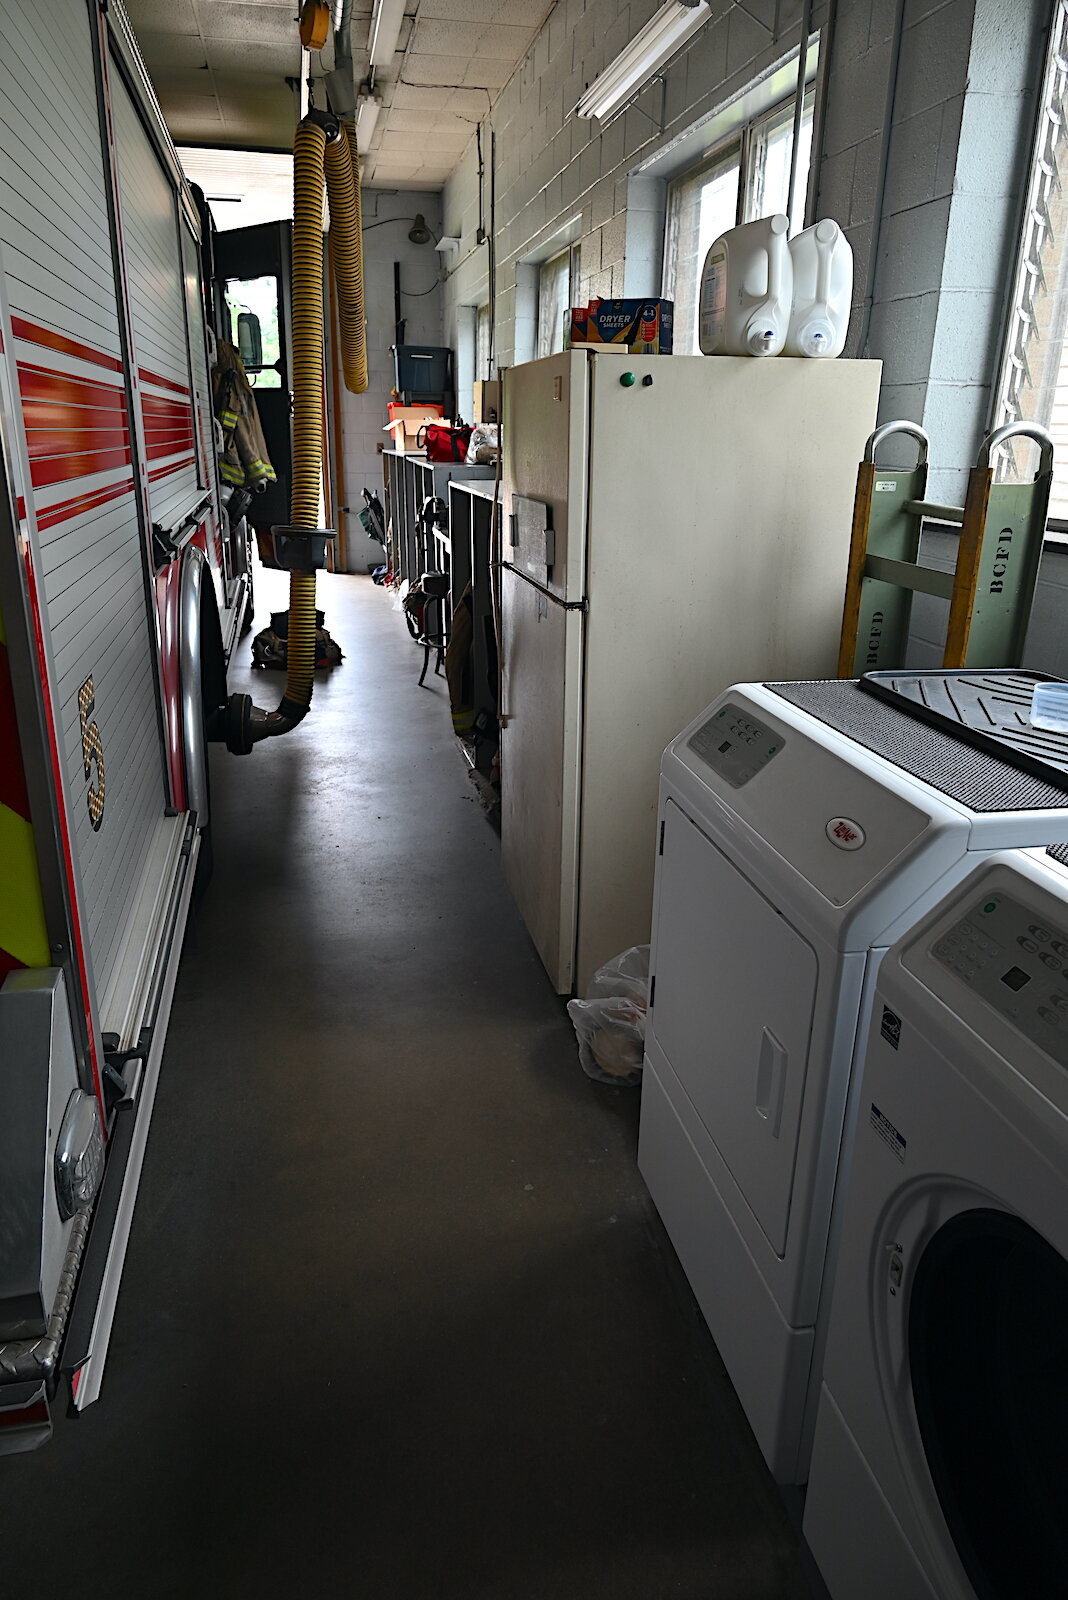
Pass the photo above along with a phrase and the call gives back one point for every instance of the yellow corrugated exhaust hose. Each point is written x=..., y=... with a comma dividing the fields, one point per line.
x=322, y=154
x=346, y=255
x=309, y=146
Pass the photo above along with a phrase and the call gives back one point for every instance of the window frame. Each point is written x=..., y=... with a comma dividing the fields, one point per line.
x=555, y=341
x=739, y=142
x=1036, y=232
x=780, y=115
x=483, y=345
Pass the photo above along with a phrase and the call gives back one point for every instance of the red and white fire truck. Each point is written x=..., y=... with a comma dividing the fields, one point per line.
x=122, y=590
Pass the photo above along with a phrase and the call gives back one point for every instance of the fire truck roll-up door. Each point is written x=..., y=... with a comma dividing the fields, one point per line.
x=106, y=460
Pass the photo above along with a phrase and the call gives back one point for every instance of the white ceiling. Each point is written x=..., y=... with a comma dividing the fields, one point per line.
x=241, y=188
x=220, y=70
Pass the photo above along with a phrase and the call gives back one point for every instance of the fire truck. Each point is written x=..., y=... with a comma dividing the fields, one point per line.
x=122, y=592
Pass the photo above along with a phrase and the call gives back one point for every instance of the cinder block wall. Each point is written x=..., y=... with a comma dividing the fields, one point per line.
x=928, y=116
x=925, y=132
x=559, y=179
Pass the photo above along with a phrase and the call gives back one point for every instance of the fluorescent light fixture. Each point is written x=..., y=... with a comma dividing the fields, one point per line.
x=367, y=109
x=386, y=19
x=657, y=42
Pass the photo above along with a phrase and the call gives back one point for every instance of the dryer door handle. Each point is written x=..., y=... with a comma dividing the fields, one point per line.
x=771, y=1081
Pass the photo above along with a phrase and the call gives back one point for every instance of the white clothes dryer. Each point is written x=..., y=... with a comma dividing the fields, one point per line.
x=941, y=1449
x=802, y=829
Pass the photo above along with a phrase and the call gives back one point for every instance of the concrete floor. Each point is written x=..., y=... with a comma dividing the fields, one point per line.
x=398, y=1320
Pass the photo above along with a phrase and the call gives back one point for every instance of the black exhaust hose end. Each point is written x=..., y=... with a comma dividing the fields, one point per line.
x=248, y=724
x=325, y=120
x=238, y=724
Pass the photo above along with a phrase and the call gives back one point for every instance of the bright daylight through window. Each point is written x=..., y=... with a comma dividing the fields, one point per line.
x=746, y=177
x=483, y=350
x=557, y=286
x=1034, y=374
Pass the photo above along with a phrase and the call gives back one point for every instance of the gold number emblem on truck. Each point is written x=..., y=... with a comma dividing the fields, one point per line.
x=92, y=751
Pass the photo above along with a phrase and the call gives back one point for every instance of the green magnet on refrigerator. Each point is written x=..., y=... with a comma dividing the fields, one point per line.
x=628, y=380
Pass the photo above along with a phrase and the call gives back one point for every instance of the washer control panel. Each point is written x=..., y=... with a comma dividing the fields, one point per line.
x=1017, y=963
x=734, y=744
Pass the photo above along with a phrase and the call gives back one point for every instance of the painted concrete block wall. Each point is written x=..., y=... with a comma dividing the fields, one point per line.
x=942, y=171
x=928, y=115
x=387, y=218
x=925, y=152
x=558, y=178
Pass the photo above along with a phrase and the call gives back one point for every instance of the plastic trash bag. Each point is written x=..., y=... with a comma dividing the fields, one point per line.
x=625, y=976
x=484, y=445
x=610, y=1023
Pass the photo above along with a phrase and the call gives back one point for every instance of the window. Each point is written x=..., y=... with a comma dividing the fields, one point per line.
x=1033, y=384
x=745, y=177
x=557, y=286
x=252, y=304
x=483, y=353
x=768, y=163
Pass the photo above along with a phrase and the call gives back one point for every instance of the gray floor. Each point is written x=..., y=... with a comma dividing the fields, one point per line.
x=398, y=1319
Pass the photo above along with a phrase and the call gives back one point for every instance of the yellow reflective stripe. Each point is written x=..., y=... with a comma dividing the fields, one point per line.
x=228, y=419
x=260, y=469
x=22, y=920
x=232, y=474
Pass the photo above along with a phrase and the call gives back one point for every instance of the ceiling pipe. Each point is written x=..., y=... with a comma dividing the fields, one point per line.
x=341, y=84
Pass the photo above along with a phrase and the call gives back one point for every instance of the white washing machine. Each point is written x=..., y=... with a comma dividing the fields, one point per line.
x=803, y=828
x=941, y=1453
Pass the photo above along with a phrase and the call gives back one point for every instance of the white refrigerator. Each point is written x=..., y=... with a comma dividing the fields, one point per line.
x=671, y=525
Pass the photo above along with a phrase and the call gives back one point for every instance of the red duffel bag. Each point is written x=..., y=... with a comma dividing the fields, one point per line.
x=444, y=443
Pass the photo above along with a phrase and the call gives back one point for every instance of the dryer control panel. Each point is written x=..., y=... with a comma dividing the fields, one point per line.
x=1017, y=961
x=734, y=744
x=831, y=815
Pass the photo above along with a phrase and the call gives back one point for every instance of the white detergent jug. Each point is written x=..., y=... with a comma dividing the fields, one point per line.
x=823, y=291
x=746, y=290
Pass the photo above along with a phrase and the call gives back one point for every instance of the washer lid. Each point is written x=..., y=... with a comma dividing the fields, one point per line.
x=990, y=710
x=977, y=778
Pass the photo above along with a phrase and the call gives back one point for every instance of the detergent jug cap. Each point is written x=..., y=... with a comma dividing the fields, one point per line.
x=816, y=338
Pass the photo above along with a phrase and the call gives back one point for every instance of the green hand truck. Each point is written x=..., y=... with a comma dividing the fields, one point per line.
x=991, y=591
